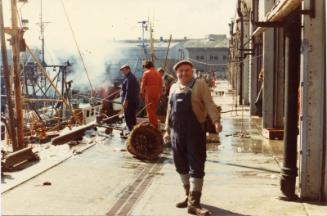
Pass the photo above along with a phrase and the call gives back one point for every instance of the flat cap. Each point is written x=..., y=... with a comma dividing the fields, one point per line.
x=185, y=61
x=160, y=69
x=124, y=66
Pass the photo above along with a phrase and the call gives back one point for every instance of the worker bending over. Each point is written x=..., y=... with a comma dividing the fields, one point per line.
x=151, y=89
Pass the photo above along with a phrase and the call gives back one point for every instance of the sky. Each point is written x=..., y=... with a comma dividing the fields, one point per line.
x=97, y=23
x=104, y=20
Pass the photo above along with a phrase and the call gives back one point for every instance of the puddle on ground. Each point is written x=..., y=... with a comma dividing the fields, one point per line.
x=247, y=139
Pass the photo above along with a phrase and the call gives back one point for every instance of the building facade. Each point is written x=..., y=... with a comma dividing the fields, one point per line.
x=209, y=55
x=277, y=55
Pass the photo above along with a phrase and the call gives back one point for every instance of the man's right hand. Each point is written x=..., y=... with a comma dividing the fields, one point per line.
x=166, y=138
x=218, y=127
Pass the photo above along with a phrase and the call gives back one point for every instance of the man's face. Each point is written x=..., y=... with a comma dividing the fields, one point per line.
x=184, y=73
x=162, y=73
x=125, y=71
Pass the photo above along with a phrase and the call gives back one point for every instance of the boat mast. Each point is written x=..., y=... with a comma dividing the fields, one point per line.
x=144, y=28
x=10, y=105
x=42, y=28
x=16, y=39
x=42, y=33
x=152, y=43
x=166, y=59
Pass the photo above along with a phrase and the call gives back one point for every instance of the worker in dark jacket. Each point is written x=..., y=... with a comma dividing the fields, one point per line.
x=129, y=96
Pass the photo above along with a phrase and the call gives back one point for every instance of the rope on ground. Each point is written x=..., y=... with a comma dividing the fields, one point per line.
x=227, y=111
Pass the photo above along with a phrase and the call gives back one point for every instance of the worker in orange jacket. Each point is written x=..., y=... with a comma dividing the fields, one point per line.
x=151, y=89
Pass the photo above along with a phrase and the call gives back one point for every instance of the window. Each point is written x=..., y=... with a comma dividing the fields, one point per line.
x=197, y=57
x=216, y=57
x=87, y=113
x=202, y=57
x=224, y=57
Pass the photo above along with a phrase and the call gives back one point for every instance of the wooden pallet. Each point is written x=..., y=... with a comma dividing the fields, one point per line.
x=273, y=133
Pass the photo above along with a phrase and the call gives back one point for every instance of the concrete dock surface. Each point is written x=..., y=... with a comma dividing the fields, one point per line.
x=242, y=178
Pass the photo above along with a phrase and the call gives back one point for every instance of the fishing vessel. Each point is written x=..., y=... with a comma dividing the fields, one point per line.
x=39, y=104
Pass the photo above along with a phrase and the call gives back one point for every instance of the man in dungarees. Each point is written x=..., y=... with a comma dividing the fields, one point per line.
x=189, y=104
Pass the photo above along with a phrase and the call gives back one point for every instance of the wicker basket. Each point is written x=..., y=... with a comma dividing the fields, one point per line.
x=145, y=142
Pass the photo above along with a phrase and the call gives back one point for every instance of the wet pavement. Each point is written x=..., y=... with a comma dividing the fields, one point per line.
x=242, y=178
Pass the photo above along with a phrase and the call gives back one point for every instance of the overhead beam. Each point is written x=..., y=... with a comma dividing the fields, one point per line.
x=278, y=13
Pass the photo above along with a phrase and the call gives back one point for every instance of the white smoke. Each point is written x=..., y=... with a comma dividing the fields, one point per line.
x=95, y=59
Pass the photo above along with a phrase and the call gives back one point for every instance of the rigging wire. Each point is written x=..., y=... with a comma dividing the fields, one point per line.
x=235, y=62
x=77, y=46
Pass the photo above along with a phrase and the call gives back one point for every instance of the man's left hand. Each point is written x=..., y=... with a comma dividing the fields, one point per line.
x=218, y=127
x=125, y=104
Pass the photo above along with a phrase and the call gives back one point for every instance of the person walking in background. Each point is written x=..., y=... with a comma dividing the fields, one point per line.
x=129, y=96
x=151, y=90
x=167, y=79
x=162, y=74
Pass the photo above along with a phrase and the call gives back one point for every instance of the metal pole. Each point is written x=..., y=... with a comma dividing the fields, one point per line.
x=165, y=65
x=42, y=33
x=16, y=37
x=11, y=129
x=292, y=76
x=63, y=88
x=239, y=11
x=143, y=39
x=143, y=36
x=42, y=100
x=152, y=43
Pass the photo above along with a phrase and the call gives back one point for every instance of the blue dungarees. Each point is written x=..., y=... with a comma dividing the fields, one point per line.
x=188, y=137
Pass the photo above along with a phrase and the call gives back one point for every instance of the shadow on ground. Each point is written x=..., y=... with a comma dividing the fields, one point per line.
x=5, y=177
x=218, y=211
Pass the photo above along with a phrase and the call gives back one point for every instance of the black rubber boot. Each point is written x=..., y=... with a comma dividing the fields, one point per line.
x=183, y=204
x=194, y=206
